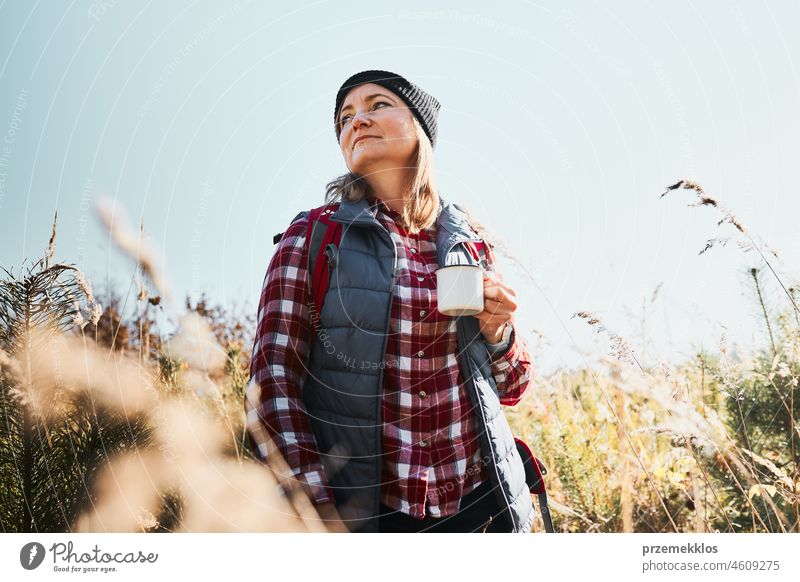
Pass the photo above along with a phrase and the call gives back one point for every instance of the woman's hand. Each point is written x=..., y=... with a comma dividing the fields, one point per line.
x=499, y=304
x=330, y=518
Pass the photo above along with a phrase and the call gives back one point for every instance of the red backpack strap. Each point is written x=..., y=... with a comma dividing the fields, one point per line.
x=480, y=251
x=322, y=233
x=472, y=248
x=534, y=478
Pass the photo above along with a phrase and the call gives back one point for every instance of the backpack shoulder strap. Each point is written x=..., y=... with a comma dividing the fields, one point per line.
x=323, y=238
x=535, y=471
x=277, y=238
x=480, y=251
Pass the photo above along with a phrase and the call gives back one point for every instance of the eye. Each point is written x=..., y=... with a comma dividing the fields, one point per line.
x=346, y=117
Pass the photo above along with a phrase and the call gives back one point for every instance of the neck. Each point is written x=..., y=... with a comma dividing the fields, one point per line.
x=391, y=186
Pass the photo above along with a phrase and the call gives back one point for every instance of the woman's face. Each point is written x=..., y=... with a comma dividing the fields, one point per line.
x=370, y=110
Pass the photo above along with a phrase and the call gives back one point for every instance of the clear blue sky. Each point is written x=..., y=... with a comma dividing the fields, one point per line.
x=561, y=124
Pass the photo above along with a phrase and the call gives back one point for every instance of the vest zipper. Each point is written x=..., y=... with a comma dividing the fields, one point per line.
x=379, y=399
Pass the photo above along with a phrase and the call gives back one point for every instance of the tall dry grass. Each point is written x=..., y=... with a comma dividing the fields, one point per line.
x=707, y=445
x=107, y=426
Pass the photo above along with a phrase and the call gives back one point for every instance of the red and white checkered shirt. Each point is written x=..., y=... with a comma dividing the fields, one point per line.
x=430, y=432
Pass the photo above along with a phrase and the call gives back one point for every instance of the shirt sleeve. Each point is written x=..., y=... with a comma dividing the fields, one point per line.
x=512, y=368
x=278, y=368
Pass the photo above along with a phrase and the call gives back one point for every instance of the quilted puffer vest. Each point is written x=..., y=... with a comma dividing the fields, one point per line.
x=343, y=391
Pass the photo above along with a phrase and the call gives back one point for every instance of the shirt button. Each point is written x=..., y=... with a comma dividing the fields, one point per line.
x=420, y=278
x=420, y=353
x=423, y=443
x=413, y=250
x=422, y=394
x=422, y=313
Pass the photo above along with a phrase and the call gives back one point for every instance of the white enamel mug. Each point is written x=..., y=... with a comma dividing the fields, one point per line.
x=459, y=290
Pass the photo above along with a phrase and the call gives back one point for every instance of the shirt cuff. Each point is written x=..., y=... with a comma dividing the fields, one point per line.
x=316, y=486
x=498, y=350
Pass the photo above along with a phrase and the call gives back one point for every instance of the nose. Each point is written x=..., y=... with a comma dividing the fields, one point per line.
x=360, y=119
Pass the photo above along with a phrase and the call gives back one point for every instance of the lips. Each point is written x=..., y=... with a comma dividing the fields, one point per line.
x=360, y=137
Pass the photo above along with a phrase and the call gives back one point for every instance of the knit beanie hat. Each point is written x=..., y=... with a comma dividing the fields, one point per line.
x=424, y=106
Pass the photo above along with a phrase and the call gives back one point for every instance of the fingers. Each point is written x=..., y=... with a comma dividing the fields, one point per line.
x=495, y=280
x=500, y=295
x=493, y=309
x=499, y=299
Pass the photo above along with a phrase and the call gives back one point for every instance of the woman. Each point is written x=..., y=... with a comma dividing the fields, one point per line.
x=393, y=423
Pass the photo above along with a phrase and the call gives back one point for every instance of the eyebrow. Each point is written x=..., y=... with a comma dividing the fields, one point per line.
x=368, y=98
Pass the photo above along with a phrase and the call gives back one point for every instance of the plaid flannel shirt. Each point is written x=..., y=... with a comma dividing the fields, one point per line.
x=431, y=454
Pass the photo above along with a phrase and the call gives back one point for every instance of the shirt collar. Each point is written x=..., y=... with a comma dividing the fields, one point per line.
x=380, y=206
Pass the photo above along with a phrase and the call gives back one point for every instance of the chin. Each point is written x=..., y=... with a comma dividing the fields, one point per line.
x=363, y=162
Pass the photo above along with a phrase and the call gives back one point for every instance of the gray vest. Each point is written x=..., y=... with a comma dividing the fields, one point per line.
x=343, y=391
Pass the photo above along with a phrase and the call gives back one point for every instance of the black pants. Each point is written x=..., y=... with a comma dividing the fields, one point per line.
x=479, y=511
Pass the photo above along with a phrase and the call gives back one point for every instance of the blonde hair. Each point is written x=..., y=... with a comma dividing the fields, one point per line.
x=420, y=210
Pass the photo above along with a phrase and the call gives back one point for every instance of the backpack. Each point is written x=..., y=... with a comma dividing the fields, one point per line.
x=323, y=237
